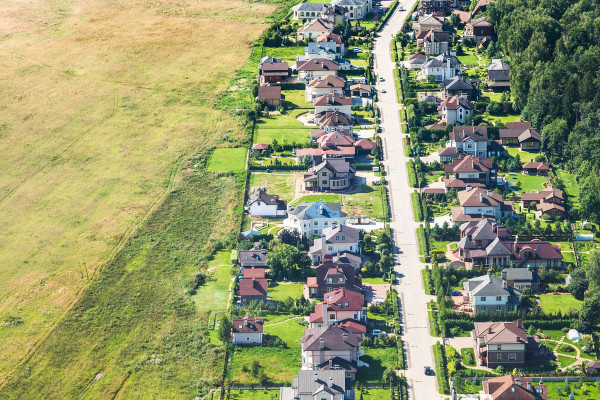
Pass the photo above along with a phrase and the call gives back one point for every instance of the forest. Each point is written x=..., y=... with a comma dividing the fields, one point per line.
x=553, y=47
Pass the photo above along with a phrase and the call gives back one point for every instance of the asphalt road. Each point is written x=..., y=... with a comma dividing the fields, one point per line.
x=418, y=342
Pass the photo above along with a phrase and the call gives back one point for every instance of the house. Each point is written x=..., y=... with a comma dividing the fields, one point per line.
x=477, y=203
x=549, y=195
x=309, y=219
x=319, y=345
x=428, y=22
x=521, y=134
x=247, y=330
x=511, y=387
x=274, y=72
x=340, y=46
x=326, y=384
x=316, y=68
x=491, y=294
x=535, y=168
x=335, y=14
x=521, y=278
x=357, y=9
x=505, y=344
x=535, y=254
x=260, y=204
x=337, y=363
x=334, y=240
x=334, y=145
x=440, y=68
x=308, y=11
x=331, y=174
x=435, y=7
x=340, y=305
x=448, y=154
x=333, y=102
x=470, y=171
x=498, y=75
x=270, y=95
x=326, y=50
x=360, y=90
x=481, y=7
x=253, y=258
x=478, y=29
x=458, y=86
x=416, y=61
x=456, y=109
x=433, y=43
x=253, y=290
x=313, y=29
x=260, y=147
x=464, y=16
x=325, y=85
x=471, y=140
x=333, y=121
x=333, y=275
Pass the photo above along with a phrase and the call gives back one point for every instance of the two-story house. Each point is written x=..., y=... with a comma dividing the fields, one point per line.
x=498, y=75
x=333, y=174
x=521, y=278
x=433, y=43
x=357, y=9
x=253, y=290
x=247, y=330
x=459, y=86
x=332, y=275
x=488, y=293
x=308, y=11
x=333, y=102
x=549, y=202
x=340, y=45
x=471, y=140
x=313, y=29
x=316, y=68
x=521, y=134
x=309, y=219
x=511, y=387
x=426, y=23
x=272, y=70
x=478, y=203
x=332, y=121
x=335, y=14
x=261, y=204
x=455, y=109
x=255, y=258
x=503, y=344
x=319, y=345
x=324, y=384
x=326, y=50
x=469, y=171
x=334, y=240
x=478, y=29
x=338, y=306
x=324, y=85
x=440, y=68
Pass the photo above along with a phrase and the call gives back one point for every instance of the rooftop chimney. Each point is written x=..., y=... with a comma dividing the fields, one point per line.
x=324, y=305
x=316, y=377
x=528, y=385
x=245, y=322
x=321, y=343
x=331, y=381
x=518, y=381
x=481, y=197
x=330, y=363
x=489, y=193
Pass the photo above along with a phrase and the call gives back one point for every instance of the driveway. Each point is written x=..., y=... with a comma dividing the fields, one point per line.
x=408, y=266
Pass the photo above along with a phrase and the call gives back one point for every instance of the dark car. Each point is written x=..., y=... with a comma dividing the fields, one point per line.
x=428, y=371
x=455, y=293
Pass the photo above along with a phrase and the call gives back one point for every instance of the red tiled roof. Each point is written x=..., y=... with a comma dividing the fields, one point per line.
x=260, y=146
x=317, y=64
x=332, y=99
x=269, y=92
x=247, y=325
x=250, y=273
x=479, y=198
x=365, y=144
x=454, y=102
x=462, y=133
x=328, y=81
x=540, y=166
x=253, y=287
x=510, y=387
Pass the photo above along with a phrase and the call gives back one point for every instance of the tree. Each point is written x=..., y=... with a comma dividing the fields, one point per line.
x=579, y=283
x=589, y=197
x=554, y=137
x=289, y=236
x=390, y=376
x=454, y=20
x=593, y=272
x=589, y=315
x=224, y=331
x=286, y=261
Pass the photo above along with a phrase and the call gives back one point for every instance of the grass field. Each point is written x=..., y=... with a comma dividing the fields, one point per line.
x=212, y=297
x=552, y=303
x=283, y=290
x=253, y=394
x=227, y=159
x=367, y=201
x=528, y=183
x=571, y=187
x=279, y=183
x=297, y=99
x=101, y=102
x=311, y=198
x=287, y=54
x=556, y=391
x=378, y=360
x=281, y=128
x=565, y=361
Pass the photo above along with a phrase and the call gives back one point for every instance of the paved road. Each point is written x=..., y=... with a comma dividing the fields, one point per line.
x=418, y=342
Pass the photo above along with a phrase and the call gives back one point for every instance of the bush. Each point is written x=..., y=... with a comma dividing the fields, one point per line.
x=566, y=348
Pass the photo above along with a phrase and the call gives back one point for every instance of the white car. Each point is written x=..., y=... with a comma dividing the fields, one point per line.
x=357, y=50
x=382, y=79
x=383, y=91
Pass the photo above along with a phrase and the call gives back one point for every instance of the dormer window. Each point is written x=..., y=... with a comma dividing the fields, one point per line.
x=345, y=304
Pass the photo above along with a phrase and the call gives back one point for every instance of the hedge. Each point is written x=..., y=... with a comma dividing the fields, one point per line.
x=291, y=86
x=441, y=368
x=417, y=206
x=364, y=166
x=412, y=175
x=259, y=167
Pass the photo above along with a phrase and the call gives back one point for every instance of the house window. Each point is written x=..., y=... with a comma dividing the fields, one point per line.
x=343, y=237
x=498, y=308
x=482, y=309
x=326, y=223
x=316, y=232
x=324, y=182
x=498, y=298
x=345, y=304
x=329, y=280
x=499, y=347
x=316, y=223
x=331, y=316
x=512, y=357
x=329, y=248
x=483, y=298
x=350, y=248
x=337, y=237
x=530, y=144
x=499, y=357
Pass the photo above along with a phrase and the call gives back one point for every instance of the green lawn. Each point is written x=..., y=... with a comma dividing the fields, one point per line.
x=281, y=160
x=367, y=201
x=501, y=118
x=374, y=394
x=524, y=155
x=358, y=59
x=571, y=186
x=283, y=290
x=296, y=99
x=440, y=245
x=552, y=303
x=464, y=352
x=253, y=394
x=227, y=159
x=554, y=388
x=528, y=183
x=313, y=198
x=565, y=361
x=212, y=297
x=282, y=184
x=468, y=59
x=281, y=128
x=375, y=281
x=493, y=96
x=287, y=53
x=378, y=360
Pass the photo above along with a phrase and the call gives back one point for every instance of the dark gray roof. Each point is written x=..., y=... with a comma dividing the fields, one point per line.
x=499, y=71
x=270, y=200
x=441, y=60
x=457, y=83
x=316, y=7
x=253, y=258
x=311, y=382
x=520, y=274
x=466, y=243
x=490, y=285
x=341, y=234
x=339, y=165
x=333, y=339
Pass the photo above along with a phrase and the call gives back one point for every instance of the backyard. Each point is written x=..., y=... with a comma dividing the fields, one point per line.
x=227, y=159
x=527, y=183
x=282, y=184
x=282, y=128
x=279, y=291
x=552, y=303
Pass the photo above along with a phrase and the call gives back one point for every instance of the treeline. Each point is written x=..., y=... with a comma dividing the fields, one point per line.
x=554, y=52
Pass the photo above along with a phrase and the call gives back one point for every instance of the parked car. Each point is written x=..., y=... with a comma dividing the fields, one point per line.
x=428, y=371
x=383, y=91
x=455, y=293
x=377, y=332
x=357, y=50
x=381, y=79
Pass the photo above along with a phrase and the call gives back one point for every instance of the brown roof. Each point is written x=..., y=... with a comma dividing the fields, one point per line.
x=461, y=133
x=253, y=287
x=463, y=15
x=530, y=134
x=333, y=118
x=276, y=66
x=316, y=25
x=436, y=127
x=501, y=332
x=545, y=207
x=510, y=387
x=332, y=99
x=365, y=144
x=361, y=86
x=333, y=339
x=417, y=56
x=328, y=81
x=433, y=190
x=260, y=146
x=451, y=183
x=325, y=37
x=448, y=151
x=454, y=102
x=269, y=92
x=459, y=216
x=247, y=324
x=523, y=125
x=479, y=198
x=250, y=273
x=437, y=36
x=470, y=163
x=338, y=300
x=317, y=64
x=335, y=139
x=540, y=166
x=541, y=249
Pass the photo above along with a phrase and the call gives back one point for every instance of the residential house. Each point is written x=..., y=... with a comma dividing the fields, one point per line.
x=261, y=204
x=270, y=95
x=498, y=75
x=309, y=219
x=360, y=90
x=253, y=290
x=480, y=7
x=548, y=202
x=512, y=387
x=478, y=29
x=448, y=154
x=333, y=121
x=416, y=61
x=456, y=109
x=334, y=240
x=324, y=384
x=535, y=254
x=433, y=43
x=260, y=147
x=256, y=273
x=440, y=68
x=426, y=98
x=464, y=16
x=326, y=50
x=435, y=7
x=536, y=168
x=331, y=174
x=333, y=102
x=521, y=134
x=521, y=278
x=274, y=72
x=313, y=29
x=504, y=344
x=247, y=330
x=316, y=68
x=333, y=275
x=458, y=86
x=337, y=363
x=319, y=345
x=357, y=9
x=427, y=23
x=353, y=259
x=308, y=11
x=470, y=171
x=253, y=258
x=491, y=294
x=478, y=203
x=338, y=306
x=471, y=140
x=335, y=14
x=325, y=85
x=340, y=46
